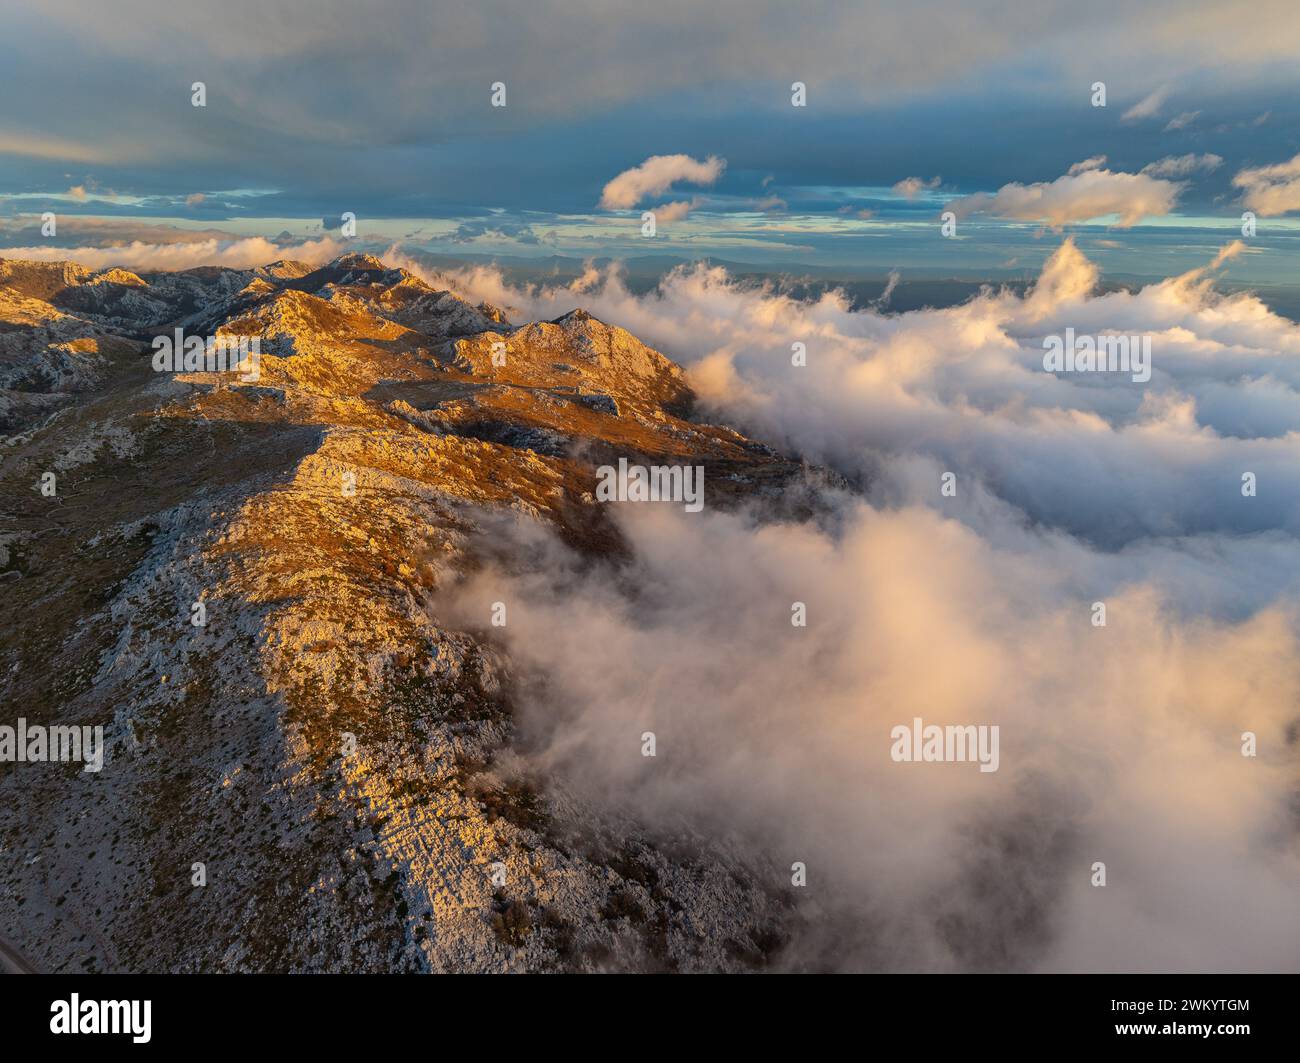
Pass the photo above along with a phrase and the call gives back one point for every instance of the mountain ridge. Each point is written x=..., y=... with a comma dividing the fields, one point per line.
x=318, y=513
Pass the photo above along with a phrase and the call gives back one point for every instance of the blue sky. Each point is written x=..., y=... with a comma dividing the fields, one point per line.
x=385, y=111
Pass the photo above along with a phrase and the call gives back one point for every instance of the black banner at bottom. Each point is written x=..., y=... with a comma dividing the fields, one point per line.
x=1221, y=1013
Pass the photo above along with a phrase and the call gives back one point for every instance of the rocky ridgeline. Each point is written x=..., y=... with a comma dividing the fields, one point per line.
x=317, y=512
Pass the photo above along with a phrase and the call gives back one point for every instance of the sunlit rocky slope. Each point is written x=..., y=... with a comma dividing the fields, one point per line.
x=318, y=512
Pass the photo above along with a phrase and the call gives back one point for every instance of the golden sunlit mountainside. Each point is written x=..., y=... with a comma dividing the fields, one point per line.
x=316, y=514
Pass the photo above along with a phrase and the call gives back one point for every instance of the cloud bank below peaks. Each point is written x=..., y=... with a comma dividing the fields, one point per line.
x=1120, y=744
x=893, y=400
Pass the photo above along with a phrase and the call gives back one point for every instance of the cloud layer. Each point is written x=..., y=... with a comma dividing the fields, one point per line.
x=176, y=254
x=1120, y=744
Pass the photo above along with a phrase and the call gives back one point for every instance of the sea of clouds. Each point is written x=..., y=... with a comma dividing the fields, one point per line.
x=1119, y=744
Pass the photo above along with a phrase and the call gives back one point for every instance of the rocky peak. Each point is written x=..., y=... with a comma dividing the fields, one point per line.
x=284, y=269
x=355, y=260
x=575, y=316
x=118, y=276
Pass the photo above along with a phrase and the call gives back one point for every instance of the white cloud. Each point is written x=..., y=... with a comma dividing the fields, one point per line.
x=910, y=187
x=138, y=255
x=670, y=212
x=655, y=176
x=1094, y=163
x=1087, y=191
x=1182, y=165
x=1271, y=190
x=1181, y=121
x=778, y=737
x=1147, y=107
x=1105, y=460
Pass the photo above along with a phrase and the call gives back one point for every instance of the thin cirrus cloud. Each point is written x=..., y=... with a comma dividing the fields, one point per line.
x=42, y=146
x=1181, y=121
x=1147, y=107
x=1183, y=165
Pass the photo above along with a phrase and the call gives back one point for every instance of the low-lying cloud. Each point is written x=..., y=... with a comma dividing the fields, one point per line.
x=144, y=256
x=1120, y=744
x=964, y=388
